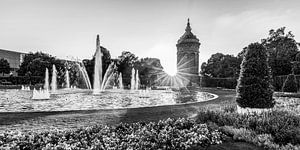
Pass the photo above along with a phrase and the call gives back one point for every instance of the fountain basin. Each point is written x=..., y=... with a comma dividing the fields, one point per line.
x=81, y=99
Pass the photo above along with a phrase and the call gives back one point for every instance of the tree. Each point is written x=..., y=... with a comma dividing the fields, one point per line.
x=76, y=76
x=125, y=63
x=4, y=66
x=296, y=65
x=282, y=49
x=149, y=68
x=254, y=87
x=35, y=64
x=222, y=66
x=290, y=84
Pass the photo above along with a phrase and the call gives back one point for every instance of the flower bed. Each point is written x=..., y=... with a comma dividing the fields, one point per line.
x=286, y=94
x=283, y=126
x=166, y=134
x=247, y=110
x=291, y=105
x=263, y=140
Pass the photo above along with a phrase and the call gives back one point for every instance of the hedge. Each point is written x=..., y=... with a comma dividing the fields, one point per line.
x=20, y=80
x=229, y=83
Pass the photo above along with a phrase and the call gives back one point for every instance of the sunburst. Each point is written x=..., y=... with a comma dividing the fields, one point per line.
x=181, y=79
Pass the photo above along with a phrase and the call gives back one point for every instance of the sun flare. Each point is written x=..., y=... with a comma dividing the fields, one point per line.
x=171, y=72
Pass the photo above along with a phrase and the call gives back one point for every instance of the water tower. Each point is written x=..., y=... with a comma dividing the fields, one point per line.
x=188, y=57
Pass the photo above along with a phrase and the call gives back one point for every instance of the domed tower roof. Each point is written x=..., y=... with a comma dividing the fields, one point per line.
x=188, y=36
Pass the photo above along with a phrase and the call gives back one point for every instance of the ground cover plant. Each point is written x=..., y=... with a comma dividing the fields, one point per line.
x=165, y=134
x=289, y=104
x=282, y=126
x=265, y=141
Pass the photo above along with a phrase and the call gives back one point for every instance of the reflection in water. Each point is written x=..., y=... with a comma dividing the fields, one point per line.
x=185, y=96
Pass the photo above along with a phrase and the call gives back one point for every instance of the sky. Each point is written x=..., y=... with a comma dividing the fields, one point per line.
x=147, y=28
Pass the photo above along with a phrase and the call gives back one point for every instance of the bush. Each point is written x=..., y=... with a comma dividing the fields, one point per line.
x=284, y=127
x=166, y=134
x=290, y=84
x=254, y=84
x=263, y=140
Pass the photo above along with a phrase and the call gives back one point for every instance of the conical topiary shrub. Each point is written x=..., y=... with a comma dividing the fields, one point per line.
x=254, y=89
x=290, y=84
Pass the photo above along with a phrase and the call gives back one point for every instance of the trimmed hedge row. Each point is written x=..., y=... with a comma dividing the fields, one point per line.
x=229, y=83
x=21, y=80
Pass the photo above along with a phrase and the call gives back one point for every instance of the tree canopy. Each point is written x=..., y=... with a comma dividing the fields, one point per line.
x=35, y=64
x=222, y=66
x=125, y=62
x=149, y=69
x=282, y=49
x=4, y=66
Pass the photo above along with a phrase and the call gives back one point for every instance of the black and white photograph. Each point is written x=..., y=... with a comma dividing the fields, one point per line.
x=149, y=74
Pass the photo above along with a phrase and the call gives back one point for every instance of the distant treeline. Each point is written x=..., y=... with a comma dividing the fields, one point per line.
x=32, y=69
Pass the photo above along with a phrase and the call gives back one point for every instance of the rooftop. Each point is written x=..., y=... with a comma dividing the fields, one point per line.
x=188, y=36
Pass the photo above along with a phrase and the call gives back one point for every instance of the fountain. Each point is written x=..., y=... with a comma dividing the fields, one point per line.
x=97, y=68
x=137, y=80
x=78, y=99
x=43, y=93
x=67, y=79
x=99, y=84
x=132, y=83
x=40, y=94
x=46, y=85
x=84, y=74
x=25, y=88
x=120, y=82
x=134, y=79
x=53, y=81
x=107, y=76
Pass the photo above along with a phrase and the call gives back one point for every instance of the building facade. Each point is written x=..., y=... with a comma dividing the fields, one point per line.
x=14, y=59
x=188, y=58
